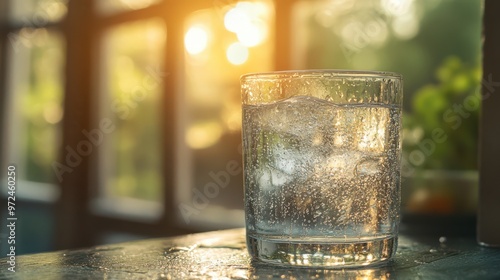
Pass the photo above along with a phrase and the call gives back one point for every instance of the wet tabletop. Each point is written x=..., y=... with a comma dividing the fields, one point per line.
x=222, y=255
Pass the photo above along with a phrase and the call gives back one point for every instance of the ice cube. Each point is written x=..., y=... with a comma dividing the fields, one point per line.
x=341, y=164
x=370, y=165
x=286, y=160
x=349, y=164
x=270, y=178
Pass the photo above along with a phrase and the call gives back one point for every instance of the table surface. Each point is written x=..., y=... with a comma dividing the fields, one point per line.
x=223, y=255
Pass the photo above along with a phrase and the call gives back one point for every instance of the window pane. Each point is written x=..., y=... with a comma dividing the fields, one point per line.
x=220, y=45
x=436, y=46
x=36, y=12
x=132, y=86
x=31, y=132
x=115, y=6
x=34, y=115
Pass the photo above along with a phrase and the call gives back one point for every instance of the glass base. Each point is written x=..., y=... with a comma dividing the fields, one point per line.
x=330, y=253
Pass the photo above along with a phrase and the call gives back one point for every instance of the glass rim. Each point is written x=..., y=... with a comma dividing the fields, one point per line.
x=324, y=73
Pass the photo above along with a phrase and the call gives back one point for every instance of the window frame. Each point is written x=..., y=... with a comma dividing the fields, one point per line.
x=78, y=225
x=488, y=221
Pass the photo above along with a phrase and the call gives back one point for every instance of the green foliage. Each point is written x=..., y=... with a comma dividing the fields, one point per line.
x=40, y=106
x=135, y=144
x=452, y=104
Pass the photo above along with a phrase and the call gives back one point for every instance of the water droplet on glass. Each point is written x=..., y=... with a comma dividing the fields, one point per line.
x=368, y=166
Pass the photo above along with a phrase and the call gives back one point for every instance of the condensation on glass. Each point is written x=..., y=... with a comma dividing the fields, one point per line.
x=321, y=157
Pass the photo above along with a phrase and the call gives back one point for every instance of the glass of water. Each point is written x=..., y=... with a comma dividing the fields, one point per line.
x=322, y=156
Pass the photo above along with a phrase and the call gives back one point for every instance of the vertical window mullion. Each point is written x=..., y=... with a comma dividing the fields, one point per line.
x=173, y=66
x=74, y=225
x=489, y=150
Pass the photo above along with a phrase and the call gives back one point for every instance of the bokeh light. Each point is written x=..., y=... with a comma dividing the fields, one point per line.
x=405, y=27
x=253, y=34
x=246, y=20
x=397, y=7
x=196, y=40
x=237, y=53
x=137, y=4
x=203, y=134
x=236, y=19
x=52, y=113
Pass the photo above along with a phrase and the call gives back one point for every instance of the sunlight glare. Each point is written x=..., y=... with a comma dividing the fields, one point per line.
x=237, y=53
x=253, y=34
x=236, y=19
x=196, y=40
x=246, y=20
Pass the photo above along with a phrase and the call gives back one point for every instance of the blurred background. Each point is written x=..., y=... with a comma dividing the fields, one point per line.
x=123, y=117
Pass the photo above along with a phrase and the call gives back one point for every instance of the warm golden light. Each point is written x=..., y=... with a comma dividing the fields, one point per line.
x=236, y=19
x=246, y=20
x=203, y=135
x=52, y=113
x=135, y=5
x=253, y=34
x=196, y=40
x=232, y=116
x=237, y=54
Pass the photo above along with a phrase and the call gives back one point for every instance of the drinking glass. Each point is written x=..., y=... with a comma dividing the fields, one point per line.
x=322, y=156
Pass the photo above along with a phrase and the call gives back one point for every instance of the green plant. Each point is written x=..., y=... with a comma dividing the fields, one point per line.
x=451, y=105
